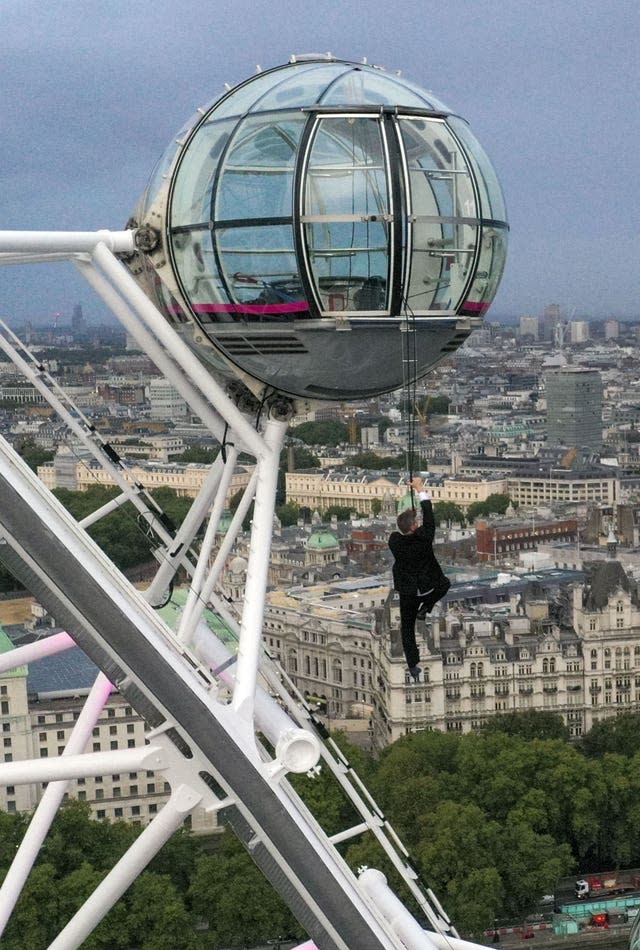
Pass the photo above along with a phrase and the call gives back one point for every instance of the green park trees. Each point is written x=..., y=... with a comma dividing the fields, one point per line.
x=491, y=820
x=495, y=504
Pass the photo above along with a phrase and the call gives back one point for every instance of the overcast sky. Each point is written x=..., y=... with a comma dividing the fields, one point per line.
x=92, y=92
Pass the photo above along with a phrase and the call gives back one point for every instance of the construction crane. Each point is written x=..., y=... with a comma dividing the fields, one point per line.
x=422, y=411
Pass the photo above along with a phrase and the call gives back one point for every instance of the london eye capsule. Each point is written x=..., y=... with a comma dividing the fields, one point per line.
x=303, y=224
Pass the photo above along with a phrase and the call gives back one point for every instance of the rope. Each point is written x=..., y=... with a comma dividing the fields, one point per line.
x=409, y=374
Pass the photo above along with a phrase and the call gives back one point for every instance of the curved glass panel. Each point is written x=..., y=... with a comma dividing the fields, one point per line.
x=260, y=269
x=257, y=260
x=360, y=87
x=193, y=185
x=345, y=214
x=428, y=100
x=197, y=268
x=160, y=173
x=256, y=174
x=493, y=252
x=492, y=202
x=300, y=84
x=305, y=87
x=443, y=215
x=240, y=99
x=230, y=244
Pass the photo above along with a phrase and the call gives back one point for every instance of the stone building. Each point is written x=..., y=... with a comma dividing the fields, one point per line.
x=496, y=539
x=39, y=706
x=361, y=491
x=561, y=641
x=185, y=479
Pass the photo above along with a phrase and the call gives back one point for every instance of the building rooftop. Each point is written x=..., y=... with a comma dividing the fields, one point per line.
x=63, y=672
x=322, y=540
x=5, y=646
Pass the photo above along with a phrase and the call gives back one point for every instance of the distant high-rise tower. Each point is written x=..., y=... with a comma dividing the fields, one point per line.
x=551, y=317
x=611, y=330
x=78, y=322
x=579, y=331
x=529, y=326
x=166, y=401
x=574, y=407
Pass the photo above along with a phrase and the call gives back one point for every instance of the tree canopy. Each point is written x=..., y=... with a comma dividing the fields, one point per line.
x=376, y=463
x=123, y=534
x=328, y=432
x=491, y=820
x=618, y=736
x=448, y=511
x=495, y=504
x=33, y=454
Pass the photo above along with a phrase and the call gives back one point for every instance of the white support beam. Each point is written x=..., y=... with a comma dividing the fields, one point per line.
x=37, y=650
x=250, y=645
x=176, y=553
x=192, y=368
x=80, y=766
x=51, y=800
x=182, y=802
x=194, y=605
x=66, y=242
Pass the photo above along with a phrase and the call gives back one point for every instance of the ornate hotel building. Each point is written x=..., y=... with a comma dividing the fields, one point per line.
x=560, y=641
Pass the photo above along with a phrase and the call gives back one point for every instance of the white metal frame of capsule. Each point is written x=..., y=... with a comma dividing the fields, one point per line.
x=191, y=662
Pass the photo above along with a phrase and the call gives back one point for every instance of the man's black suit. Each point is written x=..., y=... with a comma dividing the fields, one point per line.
x=417, y=577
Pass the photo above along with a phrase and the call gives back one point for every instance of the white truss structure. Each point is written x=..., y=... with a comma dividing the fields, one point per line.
x=208, y=711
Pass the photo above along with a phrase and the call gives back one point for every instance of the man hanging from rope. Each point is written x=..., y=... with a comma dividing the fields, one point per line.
x=417, y=576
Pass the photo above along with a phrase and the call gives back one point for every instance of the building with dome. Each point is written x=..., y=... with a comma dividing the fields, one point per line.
x=236, y=576
x=322, y=548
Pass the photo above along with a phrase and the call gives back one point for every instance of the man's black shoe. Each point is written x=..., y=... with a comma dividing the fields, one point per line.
x=422, y=612
x=415, y=672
